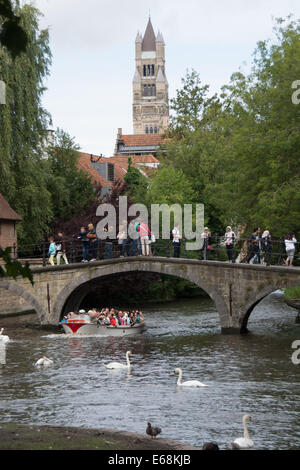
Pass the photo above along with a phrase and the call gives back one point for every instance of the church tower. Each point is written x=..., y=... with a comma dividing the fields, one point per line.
x=150, y=85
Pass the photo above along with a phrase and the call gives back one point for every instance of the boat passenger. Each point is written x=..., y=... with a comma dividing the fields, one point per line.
x=142, y=318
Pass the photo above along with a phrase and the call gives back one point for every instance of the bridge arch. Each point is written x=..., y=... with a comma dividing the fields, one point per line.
x=72, y=288
x=256, y=298
x=19, y=291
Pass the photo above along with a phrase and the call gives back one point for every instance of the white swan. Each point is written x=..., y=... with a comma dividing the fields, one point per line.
x=3, y=338
x=243, y=442
x=189, y=383
x=44, y=361
x=119, y=365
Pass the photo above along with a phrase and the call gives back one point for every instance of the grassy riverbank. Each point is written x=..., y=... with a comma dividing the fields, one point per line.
x=27, y=437
x=292, y=293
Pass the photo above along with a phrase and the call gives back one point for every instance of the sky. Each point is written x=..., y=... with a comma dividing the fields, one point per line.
x=89, y=91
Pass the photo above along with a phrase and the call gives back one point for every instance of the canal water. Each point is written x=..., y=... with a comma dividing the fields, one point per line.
x=245, y=374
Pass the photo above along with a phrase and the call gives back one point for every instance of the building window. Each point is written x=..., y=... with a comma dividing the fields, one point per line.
x=147, y=130
x=152, y=69
x=110, y=172
x=144, y=71
x=149, y=90
x=155, y=130
x=151, y=130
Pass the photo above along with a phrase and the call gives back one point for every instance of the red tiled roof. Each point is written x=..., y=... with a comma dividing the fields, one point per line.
x=136, y=159
x=133, y=140
x=84, y=163
x=6, y=212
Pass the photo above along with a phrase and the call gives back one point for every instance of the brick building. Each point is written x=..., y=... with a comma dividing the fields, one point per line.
x=8, y=221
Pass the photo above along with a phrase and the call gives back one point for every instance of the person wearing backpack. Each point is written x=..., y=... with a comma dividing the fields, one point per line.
x=253, y=245
x=266, y=246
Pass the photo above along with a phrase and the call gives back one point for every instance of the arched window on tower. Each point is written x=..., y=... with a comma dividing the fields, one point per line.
x=149, y=70
x=151, y=130
x=145, y=90
x=147, y=130
x=152, y=70
x=144, y=70
x=155, y=130
x=153, y=91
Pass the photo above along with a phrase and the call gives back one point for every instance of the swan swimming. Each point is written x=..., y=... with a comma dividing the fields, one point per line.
x=44, y=361
x=243, y=442
x=3, y=338
x=188, y=383
x=119, y=365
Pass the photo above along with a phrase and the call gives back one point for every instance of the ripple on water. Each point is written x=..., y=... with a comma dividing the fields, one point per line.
x=251, y=374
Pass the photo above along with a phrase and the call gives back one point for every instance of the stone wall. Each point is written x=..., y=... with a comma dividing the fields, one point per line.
x=12, y=304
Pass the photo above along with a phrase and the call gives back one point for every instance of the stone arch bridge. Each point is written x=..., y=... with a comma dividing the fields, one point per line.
x=235, y=288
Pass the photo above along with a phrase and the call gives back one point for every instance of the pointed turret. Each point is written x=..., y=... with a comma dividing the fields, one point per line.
x=149, y=40
x=159, y=38
x=138, y=37
x=137, y=77
x=160, y=76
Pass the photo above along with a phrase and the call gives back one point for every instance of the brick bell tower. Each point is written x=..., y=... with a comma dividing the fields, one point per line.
x=150, y=85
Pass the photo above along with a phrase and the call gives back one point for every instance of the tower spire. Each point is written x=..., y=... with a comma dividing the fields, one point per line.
x=149, y=38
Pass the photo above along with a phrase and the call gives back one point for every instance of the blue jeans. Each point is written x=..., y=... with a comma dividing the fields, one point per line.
x=93, y=248
x=108, y=246
x=85, y=250
x=229, y=249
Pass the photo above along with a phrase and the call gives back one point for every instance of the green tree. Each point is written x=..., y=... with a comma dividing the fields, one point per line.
x=71, y=188
x=136, y=183
x=240, y=151
x=12, y=35
x=23, y=124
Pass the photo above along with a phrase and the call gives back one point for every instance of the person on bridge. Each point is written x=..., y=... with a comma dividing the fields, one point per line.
x=290, y=246
x=254, y=246
x=266, y=246
x=144, y=233
x=92, y=236
x=206, y=237
x=61, y=249
x=84, y=244
x=176, y=240
x=229, y=243
x=51, y=250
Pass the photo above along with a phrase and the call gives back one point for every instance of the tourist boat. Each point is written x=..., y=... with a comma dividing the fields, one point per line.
x=83, y=327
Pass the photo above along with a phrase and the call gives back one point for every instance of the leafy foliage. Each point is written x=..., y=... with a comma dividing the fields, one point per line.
x=240, y=151
x=14, y=268
x=12, y=35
